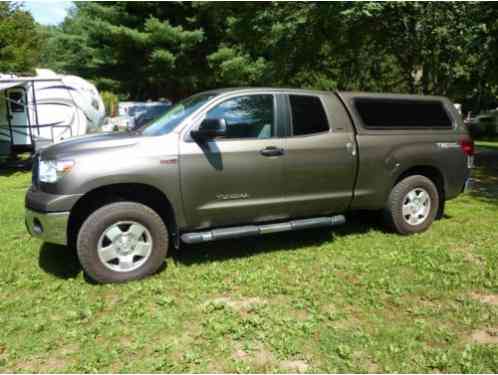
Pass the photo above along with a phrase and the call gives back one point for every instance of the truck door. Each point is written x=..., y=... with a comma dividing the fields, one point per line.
x=320, y=158
x=235, y=179
x=17, y=112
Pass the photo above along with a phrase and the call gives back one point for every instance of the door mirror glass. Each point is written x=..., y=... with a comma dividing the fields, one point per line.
x=210, y=128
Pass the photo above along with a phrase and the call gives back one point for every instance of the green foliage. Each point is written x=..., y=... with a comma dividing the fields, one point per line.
x=147, y=50
x=111, y=101
x=130, y=48
x=19, y=39
x=235, y=68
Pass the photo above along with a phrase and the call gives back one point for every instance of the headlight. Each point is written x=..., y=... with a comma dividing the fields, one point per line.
x=51, y=171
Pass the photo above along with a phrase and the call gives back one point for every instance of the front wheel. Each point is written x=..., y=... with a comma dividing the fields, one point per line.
x=122, y=241
x=412, y=205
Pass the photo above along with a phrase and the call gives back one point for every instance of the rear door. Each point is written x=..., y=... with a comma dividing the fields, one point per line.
x=236, y=179
x=320, y=159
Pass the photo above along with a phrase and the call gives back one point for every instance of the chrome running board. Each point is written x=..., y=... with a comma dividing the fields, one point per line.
x=254, y=230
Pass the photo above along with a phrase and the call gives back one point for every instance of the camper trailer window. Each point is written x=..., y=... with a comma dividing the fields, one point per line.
x=16, y=102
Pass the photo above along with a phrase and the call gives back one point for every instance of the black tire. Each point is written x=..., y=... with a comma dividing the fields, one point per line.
x=95, y=225
x=393, y=213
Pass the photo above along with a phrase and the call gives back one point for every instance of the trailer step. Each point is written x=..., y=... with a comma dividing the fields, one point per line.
x=254, y=230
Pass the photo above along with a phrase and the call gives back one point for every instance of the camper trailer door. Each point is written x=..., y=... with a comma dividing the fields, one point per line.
x=17, y=111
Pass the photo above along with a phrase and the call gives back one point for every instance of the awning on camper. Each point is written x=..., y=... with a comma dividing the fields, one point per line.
x=9, y=85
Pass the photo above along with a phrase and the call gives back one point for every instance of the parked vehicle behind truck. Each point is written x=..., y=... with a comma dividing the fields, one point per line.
x=44, y=109
x=243, y=162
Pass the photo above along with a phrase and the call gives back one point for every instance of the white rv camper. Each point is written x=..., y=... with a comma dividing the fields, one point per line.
x=45, y=109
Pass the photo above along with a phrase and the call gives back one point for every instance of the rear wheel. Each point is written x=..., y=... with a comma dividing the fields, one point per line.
x=412, y=205
x=122, y=241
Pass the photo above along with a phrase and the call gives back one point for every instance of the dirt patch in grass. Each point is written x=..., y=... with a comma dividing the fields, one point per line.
x=298, y=366
x=56, y=362
x=468, y=255
x=485, y=336
x=257, y=356
x=491, y=299
x=368, y=364
x=41, y=365
x=472, y=258
x=300, y=314
x=262, y=358
x=190, y=335
x=240, y=305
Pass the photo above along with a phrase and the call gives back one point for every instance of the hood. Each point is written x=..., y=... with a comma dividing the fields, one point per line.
x=92, y=142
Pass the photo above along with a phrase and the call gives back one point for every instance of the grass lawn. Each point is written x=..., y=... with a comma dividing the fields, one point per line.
x=354, y=299
x=493, y=144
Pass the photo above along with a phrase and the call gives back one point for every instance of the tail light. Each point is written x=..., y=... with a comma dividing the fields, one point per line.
x=467, y=146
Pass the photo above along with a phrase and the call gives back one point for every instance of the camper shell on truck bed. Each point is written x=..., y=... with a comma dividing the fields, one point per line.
x=400, y=132
x=237, y=162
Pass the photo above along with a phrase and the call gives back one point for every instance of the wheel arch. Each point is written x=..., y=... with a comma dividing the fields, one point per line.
x=136, y=192
x=432, y=173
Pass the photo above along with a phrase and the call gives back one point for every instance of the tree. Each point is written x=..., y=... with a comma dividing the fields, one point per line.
x=148, y=50
x=135, y=48
x=19, y=39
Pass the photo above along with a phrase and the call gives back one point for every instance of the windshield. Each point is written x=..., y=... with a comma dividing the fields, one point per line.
x=176, y=114
x=136, y=108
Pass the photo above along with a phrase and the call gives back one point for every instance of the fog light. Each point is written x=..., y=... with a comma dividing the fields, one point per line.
x=37, y=226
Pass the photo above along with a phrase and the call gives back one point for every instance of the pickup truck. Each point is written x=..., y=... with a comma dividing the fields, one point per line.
x=241, y=162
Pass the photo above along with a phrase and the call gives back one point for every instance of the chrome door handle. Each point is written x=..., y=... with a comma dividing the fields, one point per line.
x=272, y=151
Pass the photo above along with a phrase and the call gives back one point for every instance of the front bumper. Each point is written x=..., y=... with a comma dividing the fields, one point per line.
x=48, y=226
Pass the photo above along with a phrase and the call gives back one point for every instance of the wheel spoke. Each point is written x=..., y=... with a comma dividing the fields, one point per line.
x=406, y=209
x=125, y=262
x=142, y=248
x=425, y=198
x=411, y=196
x=413, y=220
x=113, y=233
x=108, y=253
x=136, y=231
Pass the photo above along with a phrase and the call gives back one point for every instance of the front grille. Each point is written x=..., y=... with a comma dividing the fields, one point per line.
x=34, y=172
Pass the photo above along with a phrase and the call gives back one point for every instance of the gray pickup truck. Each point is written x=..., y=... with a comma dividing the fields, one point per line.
x=241, y=162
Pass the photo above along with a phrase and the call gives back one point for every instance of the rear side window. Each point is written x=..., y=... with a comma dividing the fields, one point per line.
x=402, y=113
x=308, y=115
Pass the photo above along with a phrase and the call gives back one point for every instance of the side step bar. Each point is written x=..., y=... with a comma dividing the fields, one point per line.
x=254, y=230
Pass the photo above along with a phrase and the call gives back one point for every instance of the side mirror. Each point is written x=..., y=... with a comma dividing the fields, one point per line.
x=210, y=128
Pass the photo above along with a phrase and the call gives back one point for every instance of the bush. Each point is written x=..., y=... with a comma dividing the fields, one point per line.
x=110, y=102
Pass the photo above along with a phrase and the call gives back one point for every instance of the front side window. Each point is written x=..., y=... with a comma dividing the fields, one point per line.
x=176, y=114
x=308, y=115
x=250, y=116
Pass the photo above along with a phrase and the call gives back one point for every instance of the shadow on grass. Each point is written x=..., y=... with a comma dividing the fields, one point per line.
x=10, y=167
x=485, y=177
x=60, y=261
x=8, y=171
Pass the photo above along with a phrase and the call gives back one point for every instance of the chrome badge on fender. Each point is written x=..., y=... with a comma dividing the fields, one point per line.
x=224, y=197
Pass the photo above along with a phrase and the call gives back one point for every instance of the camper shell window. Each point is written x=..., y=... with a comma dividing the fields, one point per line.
x=378, y=113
